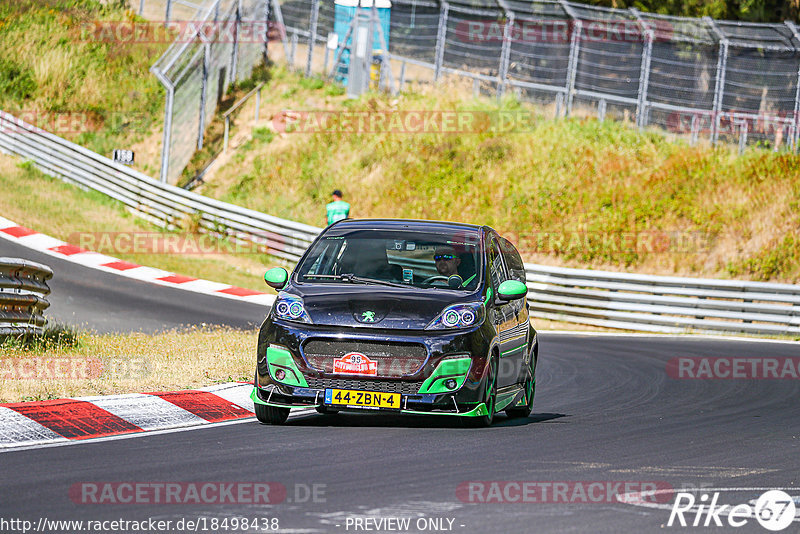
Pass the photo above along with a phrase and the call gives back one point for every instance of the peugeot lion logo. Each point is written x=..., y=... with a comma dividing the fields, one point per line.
x=368, y=316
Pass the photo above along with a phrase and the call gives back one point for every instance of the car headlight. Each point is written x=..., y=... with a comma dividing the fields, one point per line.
x=290, y=308
x=458, y=316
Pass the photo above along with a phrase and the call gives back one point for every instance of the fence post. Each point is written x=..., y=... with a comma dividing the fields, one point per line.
x=293, y=49
x=742, y=136
x=574, y=50
x=266, y=32
x=168, y=12
x=719, y=86
x=796, y=118
x=276, y=7
x=505, y=52
x=167, y=137
x=235, y=47
x=441, y=38
x=204, y=91
x=313, y=37
x=644, y=73
x=141, y=7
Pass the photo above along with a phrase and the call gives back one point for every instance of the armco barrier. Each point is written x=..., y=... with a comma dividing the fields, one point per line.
x=662, y=303
x=163, y=204
x=615, y=300
x=23, y=286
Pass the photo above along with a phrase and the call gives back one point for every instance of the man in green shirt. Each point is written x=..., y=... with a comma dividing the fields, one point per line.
x=338, y=209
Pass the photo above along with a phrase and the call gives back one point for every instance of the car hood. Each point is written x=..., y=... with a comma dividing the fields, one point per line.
x=375, y=306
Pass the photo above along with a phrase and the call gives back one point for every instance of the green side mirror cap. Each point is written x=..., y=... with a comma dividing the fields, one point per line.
x=276, y=278
x=512, y=290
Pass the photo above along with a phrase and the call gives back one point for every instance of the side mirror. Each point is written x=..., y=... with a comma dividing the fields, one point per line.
x=511, y=290
x=276, y=278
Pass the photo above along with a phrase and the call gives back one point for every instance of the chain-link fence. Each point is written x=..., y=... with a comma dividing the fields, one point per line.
x=697, y=78
x=217, y=43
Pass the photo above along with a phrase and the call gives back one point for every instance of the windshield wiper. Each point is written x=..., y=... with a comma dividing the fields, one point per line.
x=353, y=279
x=349, y=277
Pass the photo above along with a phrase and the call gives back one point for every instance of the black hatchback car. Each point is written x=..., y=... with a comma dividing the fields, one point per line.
x=416, y=317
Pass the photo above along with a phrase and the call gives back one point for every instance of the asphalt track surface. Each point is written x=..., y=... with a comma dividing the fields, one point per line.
x=106, y=302
x=605, y=410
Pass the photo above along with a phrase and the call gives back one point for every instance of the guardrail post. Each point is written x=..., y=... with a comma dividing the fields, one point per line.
x=574, y=51
x=505, y=52
x=441, y=39
x=644, y=72
x=719, y=86
x=313, y=37
x=601, y=110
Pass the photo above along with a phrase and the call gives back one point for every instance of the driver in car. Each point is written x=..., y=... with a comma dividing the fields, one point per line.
x=447, y=261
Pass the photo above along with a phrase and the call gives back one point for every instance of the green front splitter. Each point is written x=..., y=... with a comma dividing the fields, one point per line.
x=478, y=411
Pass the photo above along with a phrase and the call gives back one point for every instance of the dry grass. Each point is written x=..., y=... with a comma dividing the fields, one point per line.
x=125, y=363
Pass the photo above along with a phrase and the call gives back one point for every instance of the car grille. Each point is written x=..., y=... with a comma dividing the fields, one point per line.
x=394, y=360
x=384, y=386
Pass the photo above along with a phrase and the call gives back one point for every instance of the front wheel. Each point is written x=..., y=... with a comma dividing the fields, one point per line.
x=490, y=399
x=271, y=415
x=530, y=391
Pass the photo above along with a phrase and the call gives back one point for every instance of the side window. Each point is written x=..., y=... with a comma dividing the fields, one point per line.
x=496, y=266
x=516, y=269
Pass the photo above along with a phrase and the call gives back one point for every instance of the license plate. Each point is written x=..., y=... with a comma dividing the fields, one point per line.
x=362, y=399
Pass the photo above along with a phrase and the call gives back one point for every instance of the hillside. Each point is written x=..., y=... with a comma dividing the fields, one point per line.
x=56, y=73
x=574, y=192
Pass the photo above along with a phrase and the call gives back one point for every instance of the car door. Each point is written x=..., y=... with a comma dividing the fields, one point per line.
x=518, y=329
x=503, y=317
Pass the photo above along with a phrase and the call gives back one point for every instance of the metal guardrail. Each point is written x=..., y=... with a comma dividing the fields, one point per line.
x=165, y=205
x=614, y=300
x=662, y=303
x=23, y=286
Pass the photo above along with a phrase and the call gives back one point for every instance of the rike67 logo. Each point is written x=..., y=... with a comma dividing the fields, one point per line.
x=355, y=363
x=774, y=510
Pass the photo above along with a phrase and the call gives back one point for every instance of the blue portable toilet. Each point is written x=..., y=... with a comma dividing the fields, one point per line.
x=344, y=13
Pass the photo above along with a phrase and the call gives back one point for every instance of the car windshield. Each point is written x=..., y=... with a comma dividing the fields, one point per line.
x=448, y=261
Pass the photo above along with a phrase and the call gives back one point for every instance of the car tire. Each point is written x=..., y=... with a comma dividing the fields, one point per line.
x=271, y=415
x=530, y=392
x=483, y=421
x=325, y=410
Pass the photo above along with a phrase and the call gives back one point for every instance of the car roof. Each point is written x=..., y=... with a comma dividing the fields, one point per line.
x=347, y=225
